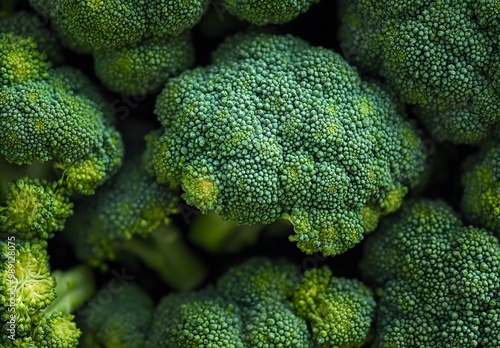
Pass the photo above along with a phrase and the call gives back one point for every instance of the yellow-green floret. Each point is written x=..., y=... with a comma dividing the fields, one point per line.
x=275, y=128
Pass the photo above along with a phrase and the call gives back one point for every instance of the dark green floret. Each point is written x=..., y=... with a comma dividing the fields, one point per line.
x=275, y=128
x=438, y=279
x=481, y=199
x=441, y=56
x=121, y=322
x=145, y=67
x=262, y=12
x=26, y=25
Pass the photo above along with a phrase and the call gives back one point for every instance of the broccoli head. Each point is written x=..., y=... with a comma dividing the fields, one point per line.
x=438, y=279
x=441, y=56
x=261, y=304
x=37, y=306
x=481, y=199
x=262, y=12
x=275, y=128
x=89, y=26
x=52, y=115
x=144, y=67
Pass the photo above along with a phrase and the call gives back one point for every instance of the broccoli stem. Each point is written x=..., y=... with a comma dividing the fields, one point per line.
x=165, y=252
x=216, y=235
x=74, y=287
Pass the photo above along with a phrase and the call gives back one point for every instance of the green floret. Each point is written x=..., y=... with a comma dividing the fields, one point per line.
x=26, y=25
x=439, y=279
x=146, y=66
x=440, y=56
x=20, y=61
x=41, y=309
x=481, y=199
x=132, y=214
x=262, y=12
x=34, y=209
x=275, y=128
x=89, y=26
x=338, y=310
x=123, y=321
x=259, y=279
x=171, y=17
x=57, y=331
x=27, y=284
x=244, y=311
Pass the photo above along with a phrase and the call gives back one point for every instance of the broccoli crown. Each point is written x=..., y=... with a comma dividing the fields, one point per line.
x=121, y=322
x=34, y=209
x=25, y=25
x=442, y=56
x=89, y=25
x=481, y=199
x=439, y=279
x=133, y=205
x=146, y=66
x=275, y=128
x=262, y=12
x=255, y=305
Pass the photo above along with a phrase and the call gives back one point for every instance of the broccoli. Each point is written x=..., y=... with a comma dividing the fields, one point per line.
x=262, y=12
x=37, y=306
x=132, y=215
x=122, y=322
x=52, y=115
x=146, y=66
x=438, y=279
x=264, y=134
x=24, y=24
x=260, y=303
x=481, y=198
x=441, y=56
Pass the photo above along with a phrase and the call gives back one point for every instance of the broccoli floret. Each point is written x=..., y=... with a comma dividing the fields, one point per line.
x=263, y=133
x=90, y=26
x=339, y=310
x=261, y=304
x=34, y=209
x=262, y=12
x=145, y=67
x=438, y=279
x=25, y=25
x=441, y=56
x=37, y=302
x=121, y=322
x=50, y=114
x=481, y=199
x=132, y=215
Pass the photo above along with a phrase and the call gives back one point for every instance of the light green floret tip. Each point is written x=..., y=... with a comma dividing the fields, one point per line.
x=34, y=209
x=144, y=68
x=57, y=331
x=262, y=12
x=20, y=61
x=275, y=128
x=437, y=278
x=481, y=199
x=441, y=56
x=338, y=310
x=34, y=287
